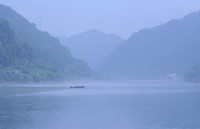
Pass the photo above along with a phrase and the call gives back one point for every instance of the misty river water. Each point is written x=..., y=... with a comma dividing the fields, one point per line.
x=106, y=105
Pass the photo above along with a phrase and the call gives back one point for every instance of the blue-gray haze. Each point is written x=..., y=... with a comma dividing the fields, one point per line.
x=105, y=105
x=123, y=17
x=93, y=46
x=162, y=51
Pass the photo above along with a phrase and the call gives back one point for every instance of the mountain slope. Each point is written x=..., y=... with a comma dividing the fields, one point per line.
x=16, y=59
x=47, y=50
x=92, y=45
x=158, y=51
x=11, y=51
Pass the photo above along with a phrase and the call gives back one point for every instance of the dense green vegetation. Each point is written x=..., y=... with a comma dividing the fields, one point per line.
x=17, y=60
x=193, y=74
x=27, y=54
x=12, y=52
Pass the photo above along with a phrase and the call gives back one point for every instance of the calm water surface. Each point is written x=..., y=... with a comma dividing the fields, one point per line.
x=111, y=105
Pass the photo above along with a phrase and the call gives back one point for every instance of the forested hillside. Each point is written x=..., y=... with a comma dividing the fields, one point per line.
x=28, y=54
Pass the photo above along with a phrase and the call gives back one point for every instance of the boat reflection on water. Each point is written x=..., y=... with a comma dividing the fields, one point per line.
x=77, y=86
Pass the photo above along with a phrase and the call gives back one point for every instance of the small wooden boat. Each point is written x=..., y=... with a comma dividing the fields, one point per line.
x=77, y=86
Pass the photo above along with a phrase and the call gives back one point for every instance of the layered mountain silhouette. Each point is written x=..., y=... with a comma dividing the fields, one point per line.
x=157, y=52
x=92, y=46
x=48, y=59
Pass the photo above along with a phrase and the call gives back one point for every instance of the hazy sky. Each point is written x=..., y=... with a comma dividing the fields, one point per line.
x=123, y=17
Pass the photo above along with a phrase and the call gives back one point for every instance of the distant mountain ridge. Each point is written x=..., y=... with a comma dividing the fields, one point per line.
x=92, y=45
x=48, y=52
x=158, y=51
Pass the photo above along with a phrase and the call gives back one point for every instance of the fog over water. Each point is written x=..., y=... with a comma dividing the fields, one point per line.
x=106, y=105
x=107, y=71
